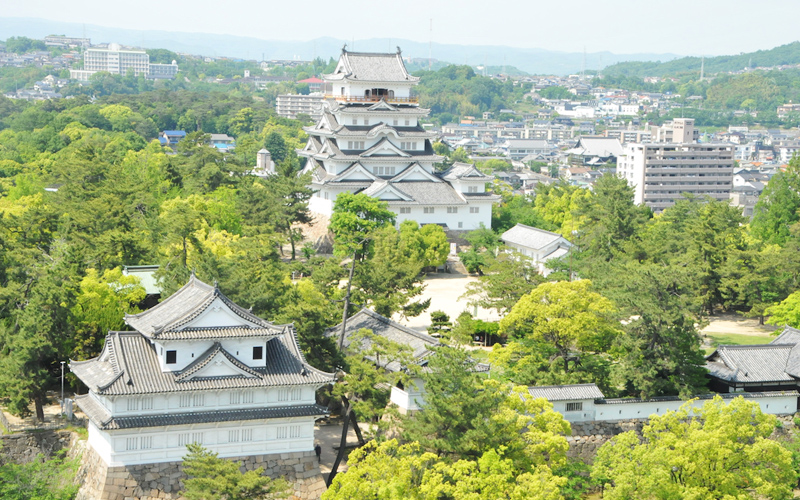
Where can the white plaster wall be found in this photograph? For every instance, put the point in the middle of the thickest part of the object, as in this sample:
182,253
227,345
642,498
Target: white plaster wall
776,405
164,444
100,442
469,220
412,398
214,400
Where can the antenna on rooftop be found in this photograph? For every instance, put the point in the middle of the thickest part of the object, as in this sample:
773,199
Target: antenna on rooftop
430,45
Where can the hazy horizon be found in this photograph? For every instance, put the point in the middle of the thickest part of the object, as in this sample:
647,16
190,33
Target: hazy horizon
713,27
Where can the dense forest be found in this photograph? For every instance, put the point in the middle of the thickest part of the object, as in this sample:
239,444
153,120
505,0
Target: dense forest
788,54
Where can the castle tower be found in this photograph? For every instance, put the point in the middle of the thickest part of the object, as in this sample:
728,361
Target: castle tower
197,368
370,140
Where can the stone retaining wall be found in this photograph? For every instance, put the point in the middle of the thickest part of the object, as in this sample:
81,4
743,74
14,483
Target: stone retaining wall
164,480
23,447
588,437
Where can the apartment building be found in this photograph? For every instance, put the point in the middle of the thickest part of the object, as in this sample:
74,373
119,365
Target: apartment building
662,173
291,105
118,60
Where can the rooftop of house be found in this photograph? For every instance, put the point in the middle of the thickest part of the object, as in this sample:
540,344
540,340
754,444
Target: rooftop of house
778,361
531,237
566,392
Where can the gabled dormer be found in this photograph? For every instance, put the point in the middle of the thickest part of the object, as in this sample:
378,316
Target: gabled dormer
415,172
384,147
216,362
355,173
385,191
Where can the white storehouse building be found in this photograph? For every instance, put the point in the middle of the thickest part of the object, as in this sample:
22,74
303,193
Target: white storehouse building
370,140
199,369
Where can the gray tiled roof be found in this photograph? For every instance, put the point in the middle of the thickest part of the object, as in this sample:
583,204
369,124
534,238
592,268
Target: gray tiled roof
566,392
168,318
204,359
723,395
750,363
419,343
373,67
530,237
791,336
430,193
129,365
97,413
460,170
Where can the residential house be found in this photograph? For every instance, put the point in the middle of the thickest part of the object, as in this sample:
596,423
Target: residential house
536,244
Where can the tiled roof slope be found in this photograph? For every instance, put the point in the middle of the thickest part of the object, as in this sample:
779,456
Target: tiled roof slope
778,361
98,414
751,363
372,67
419,343
129,365
566,392
530,237
174,312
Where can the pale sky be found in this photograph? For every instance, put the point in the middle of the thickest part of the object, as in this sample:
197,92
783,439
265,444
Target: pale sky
686,27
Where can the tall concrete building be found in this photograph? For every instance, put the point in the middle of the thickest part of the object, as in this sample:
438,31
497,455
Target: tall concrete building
663,172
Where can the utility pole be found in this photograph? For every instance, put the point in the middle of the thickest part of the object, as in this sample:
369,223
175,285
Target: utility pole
62,387
347,302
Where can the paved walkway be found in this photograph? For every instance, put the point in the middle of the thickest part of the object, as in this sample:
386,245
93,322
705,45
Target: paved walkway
445,291
328,436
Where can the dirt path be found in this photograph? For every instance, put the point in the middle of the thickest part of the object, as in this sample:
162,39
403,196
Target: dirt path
734,323
445,291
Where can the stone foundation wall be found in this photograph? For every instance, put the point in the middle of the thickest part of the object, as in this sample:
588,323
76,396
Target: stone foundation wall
588,437
23,447
164,480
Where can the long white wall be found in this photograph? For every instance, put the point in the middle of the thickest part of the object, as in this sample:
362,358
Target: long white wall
621,409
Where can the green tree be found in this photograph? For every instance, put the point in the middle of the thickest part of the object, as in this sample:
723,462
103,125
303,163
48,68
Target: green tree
785,313
660,352
505,279
566,315
718,451
373,365
100,306
777,207
214,478
464,417
428,244
355,217
39,479
389,279
392,471
610,220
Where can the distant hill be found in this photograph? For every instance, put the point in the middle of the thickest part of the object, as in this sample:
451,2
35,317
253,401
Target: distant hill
785,54
533,61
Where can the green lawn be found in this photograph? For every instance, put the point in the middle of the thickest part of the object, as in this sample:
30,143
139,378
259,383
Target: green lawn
736,339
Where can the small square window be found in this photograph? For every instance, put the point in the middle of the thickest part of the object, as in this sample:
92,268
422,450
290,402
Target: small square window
172,357
258,352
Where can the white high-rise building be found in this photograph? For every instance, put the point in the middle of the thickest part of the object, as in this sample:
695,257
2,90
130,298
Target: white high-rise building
662,172
118,60
370,140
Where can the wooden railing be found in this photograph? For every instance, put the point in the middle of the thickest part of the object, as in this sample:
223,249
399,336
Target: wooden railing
374,98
